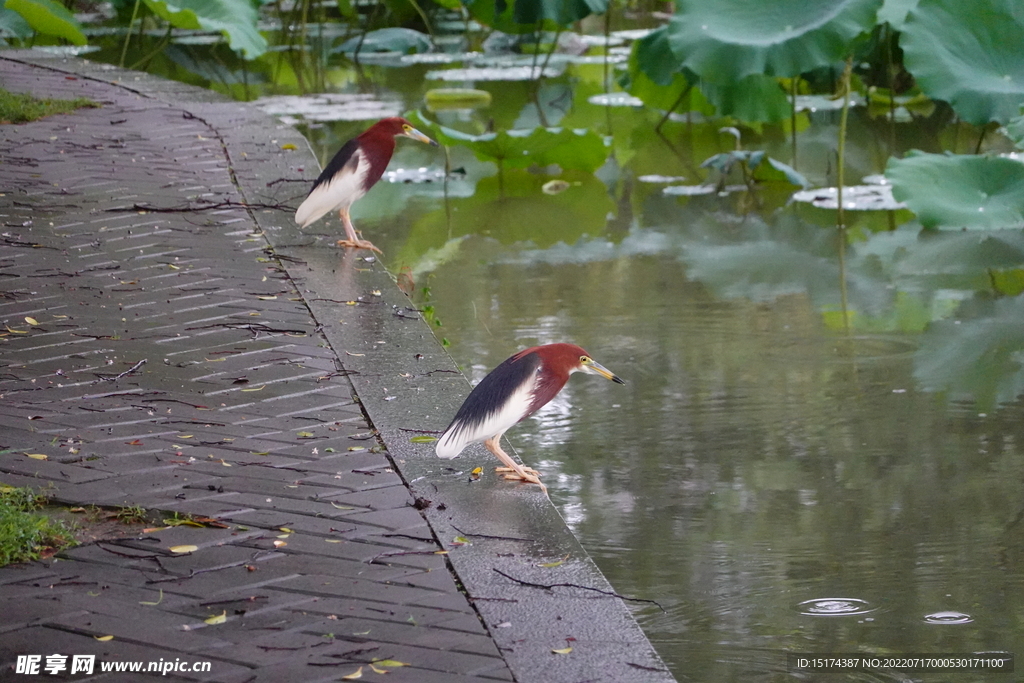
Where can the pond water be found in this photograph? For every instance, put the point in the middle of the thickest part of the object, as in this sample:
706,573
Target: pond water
779,475
775,482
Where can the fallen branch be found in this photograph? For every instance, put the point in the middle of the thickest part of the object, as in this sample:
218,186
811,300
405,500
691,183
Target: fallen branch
550,586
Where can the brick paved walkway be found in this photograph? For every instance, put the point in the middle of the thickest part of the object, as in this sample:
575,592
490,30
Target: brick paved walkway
168,359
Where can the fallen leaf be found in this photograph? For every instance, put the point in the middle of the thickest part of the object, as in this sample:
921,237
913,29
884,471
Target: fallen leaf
423,439
341,507
134,442
305,435
143,602
267,298
477,471
288,146
37,456
103,639
358,673
280,544
563,651
223,617
285,530
553,564
257,388
184,548
390,663
30,320
332,540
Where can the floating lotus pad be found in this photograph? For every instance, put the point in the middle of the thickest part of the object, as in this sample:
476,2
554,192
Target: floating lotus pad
457,98
494,73
329,107
615,99
855,198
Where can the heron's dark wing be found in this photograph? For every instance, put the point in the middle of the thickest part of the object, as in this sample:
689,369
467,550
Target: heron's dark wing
345,161
500,400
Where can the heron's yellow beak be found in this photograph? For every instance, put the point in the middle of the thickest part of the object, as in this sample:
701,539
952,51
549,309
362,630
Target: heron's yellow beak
592,367
416,135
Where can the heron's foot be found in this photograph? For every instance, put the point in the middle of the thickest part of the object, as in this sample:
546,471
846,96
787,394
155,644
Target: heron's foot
358,244
528,474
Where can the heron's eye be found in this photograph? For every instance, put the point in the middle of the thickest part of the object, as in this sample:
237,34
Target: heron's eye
407,128
584,359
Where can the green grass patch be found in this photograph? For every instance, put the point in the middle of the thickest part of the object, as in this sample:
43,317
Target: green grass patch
25,534
21,108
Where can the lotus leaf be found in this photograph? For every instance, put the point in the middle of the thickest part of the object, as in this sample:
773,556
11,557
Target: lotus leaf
526,16
960,191
13,24
755,98
46,17
894,12
728,40
235,19
968,54
1015,129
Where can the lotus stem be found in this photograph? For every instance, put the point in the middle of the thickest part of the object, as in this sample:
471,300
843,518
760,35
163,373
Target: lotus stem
128,32
840,180
792,115
840,171
679,100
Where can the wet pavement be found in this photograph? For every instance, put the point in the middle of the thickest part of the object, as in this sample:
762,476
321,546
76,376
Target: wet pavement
172,341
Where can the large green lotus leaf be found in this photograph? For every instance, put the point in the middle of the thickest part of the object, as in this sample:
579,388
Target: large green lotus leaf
50,18
649,76
753,99
12,24
976,355
580,150
526,16
968,54
960,191
727,40
894,12
236,19
1015,129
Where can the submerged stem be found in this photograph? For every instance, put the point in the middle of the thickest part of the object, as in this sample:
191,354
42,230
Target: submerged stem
840,180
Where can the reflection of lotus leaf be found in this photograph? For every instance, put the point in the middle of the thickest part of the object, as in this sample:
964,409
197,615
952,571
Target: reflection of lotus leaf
960,191
579,150
515,209
855,198
981,356
968,54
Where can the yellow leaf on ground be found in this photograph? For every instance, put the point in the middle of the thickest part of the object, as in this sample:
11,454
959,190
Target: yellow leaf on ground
221,618
358,673
30,320
37,456
143,602
563,651
184,549
390,663
280,544
103,639
257,388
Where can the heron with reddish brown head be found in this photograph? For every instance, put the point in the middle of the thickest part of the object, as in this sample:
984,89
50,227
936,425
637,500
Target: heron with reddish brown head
513,391
357,167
